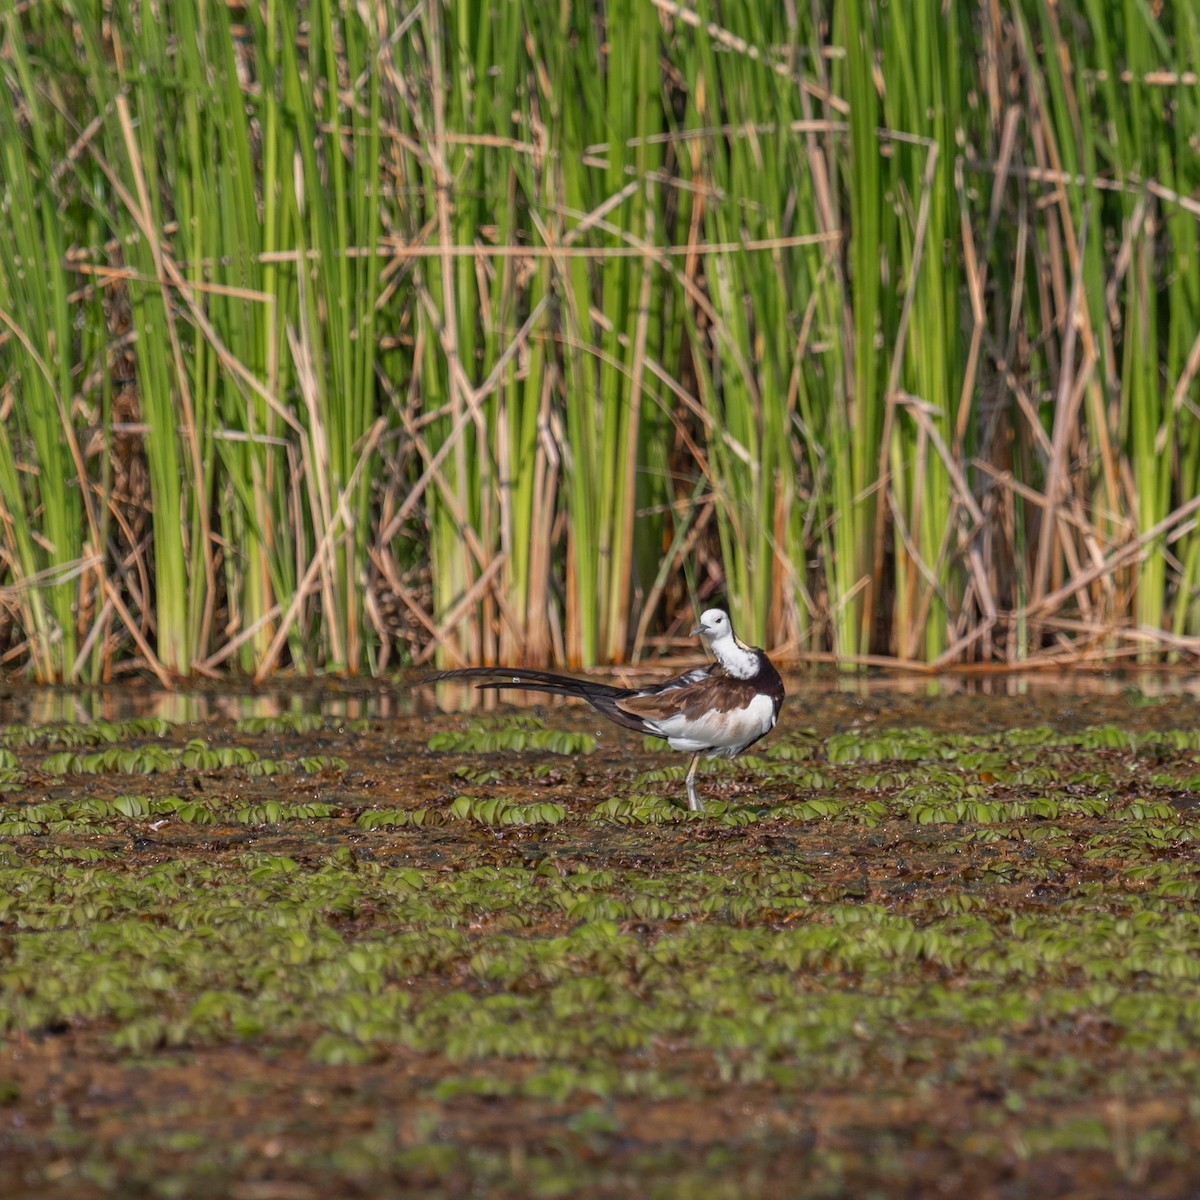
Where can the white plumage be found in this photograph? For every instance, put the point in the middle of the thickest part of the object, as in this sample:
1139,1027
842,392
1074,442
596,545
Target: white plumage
721,734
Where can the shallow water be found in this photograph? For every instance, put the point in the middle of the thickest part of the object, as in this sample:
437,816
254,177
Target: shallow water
406,695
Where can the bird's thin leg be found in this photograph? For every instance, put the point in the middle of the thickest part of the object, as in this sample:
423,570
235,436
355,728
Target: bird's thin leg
694,801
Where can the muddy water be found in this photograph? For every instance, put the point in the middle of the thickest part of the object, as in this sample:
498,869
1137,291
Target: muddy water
405,695
940,936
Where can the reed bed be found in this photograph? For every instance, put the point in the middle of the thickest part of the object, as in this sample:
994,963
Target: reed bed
345,336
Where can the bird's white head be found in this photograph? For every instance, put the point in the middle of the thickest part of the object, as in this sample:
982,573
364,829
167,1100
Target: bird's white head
714,624
731,652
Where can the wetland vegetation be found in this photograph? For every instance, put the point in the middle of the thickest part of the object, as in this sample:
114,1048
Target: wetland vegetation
336,337
912,943
340,335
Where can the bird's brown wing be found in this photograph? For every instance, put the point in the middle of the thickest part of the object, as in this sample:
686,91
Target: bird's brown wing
716,691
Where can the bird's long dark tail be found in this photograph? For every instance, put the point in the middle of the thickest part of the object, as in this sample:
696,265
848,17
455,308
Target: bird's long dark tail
519,678
601,696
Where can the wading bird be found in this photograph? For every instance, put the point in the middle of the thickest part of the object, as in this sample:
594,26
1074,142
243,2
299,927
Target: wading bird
714,711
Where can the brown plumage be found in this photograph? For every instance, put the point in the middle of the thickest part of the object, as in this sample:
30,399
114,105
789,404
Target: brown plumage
716,711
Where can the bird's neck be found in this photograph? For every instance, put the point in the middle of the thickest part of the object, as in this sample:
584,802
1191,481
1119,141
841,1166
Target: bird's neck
737,658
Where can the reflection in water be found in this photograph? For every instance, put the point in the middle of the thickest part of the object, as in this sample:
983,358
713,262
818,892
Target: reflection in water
384,699
1149,683
44,706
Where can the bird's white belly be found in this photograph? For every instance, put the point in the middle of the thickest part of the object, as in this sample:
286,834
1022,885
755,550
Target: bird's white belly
722,734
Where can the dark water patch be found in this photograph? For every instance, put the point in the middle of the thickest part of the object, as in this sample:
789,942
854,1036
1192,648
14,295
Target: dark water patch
1071,694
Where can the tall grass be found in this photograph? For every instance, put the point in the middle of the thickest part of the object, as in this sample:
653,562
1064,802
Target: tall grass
337,336
47,558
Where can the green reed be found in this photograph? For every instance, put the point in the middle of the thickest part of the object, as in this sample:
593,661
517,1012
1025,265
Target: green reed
752,185
601,85
49,556
922,46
